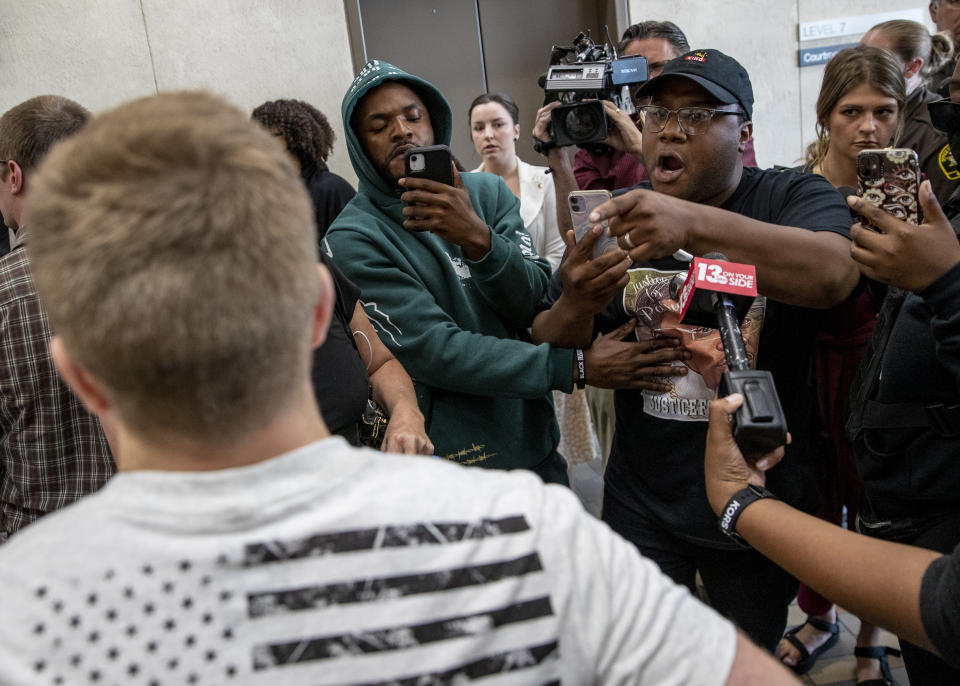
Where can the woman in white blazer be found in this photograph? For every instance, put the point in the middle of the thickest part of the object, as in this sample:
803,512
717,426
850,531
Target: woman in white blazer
494,127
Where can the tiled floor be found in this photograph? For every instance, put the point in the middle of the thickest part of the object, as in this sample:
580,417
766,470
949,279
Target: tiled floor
837,666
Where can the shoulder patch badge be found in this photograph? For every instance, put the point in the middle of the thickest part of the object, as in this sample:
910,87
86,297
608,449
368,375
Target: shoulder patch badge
948,165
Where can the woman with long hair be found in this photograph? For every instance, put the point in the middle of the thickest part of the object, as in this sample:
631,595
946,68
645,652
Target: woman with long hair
495,129
860,107
920,54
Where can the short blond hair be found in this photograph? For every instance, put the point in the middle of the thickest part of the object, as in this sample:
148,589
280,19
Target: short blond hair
173,246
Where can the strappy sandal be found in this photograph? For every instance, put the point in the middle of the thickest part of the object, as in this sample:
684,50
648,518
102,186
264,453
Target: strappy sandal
807,658
878,653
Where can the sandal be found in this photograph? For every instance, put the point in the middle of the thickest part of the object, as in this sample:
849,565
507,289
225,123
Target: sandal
878,653
807,658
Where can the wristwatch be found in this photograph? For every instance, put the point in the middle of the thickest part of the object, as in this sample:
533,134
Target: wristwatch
735,507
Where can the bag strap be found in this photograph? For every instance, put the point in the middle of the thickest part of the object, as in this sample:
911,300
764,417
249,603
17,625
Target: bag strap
867,379
943,419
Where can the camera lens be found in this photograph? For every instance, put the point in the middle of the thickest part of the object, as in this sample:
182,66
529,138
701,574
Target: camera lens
582,123
869,167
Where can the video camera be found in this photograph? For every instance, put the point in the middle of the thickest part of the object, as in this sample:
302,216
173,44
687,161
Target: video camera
580,76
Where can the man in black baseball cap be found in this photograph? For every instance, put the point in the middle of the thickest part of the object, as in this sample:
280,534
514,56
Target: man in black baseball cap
795,228
721,76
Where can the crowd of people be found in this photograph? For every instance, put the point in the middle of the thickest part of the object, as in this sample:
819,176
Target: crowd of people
257,425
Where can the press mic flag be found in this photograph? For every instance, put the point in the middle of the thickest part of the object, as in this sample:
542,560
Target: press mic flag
710,276
717,293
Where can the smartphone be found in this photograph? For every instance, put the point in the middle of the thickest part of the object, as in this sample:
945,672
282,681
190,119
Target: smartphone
890,179
433,162
581,204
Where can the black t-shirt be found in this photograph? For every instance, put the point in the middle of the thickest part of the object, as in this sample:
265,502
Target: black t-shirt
656,461
339,375
940,606
330,194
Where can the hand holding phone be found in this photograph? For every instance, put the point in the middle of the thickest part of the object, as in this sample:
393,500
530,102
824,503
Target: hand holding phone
900,254
890,179
434,162
437,201
581,204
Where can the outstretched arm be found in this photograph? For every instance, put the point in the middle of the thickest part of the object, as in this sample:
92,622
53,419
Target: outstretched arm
794,265
876,580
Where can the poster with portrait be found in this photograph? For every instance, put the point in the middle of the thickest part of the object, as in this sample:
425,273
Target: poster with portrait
647,299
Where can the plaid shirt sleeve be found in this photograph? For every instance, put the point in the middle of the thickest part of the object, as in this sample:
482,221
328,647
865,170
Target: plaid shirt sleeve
52,451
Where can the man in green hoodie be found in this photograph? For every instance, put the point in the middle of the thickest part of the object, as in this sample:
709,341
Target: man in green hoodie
452,284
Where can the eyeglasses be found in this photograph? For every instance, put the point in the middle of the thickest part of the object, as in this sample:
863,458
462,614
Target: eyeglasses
693,120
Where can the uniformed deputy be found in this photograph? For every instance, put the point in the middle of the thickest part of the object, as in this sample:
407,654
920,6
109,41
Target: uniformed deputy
920,54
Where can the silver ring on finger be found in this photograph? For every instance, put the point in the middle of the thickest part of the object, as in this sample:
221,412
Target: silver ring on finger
626,239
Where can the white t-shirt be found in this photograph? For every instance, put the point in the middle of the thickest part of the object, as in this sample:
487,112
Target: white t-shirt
332,565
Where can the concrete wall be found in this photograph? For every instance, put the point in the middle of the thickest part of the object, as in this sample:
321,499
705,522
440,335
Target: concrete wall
763,36
103,52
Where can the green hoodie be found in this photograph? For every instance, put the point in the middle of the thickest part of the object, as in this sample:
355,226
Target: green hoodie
454,323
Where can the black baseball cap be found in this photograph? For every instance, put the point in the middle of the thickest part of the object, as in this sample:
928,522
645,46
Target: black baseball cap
721,75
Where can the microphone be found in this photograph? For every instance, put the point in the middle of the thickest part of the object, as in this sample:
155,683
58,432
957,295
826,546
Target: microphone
718,294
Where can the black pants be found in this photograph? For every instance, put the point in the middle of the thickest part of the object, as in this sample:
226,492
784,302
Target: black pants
742,585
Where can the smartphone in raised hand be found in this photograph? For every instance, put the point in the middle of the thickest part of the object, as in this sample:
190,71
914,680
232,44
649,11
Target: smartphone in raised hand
890,179
581,204
434,162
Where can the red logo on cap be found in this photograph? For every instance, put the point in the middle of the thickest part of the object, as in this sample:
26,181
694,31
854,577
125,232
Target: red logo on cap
697,57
